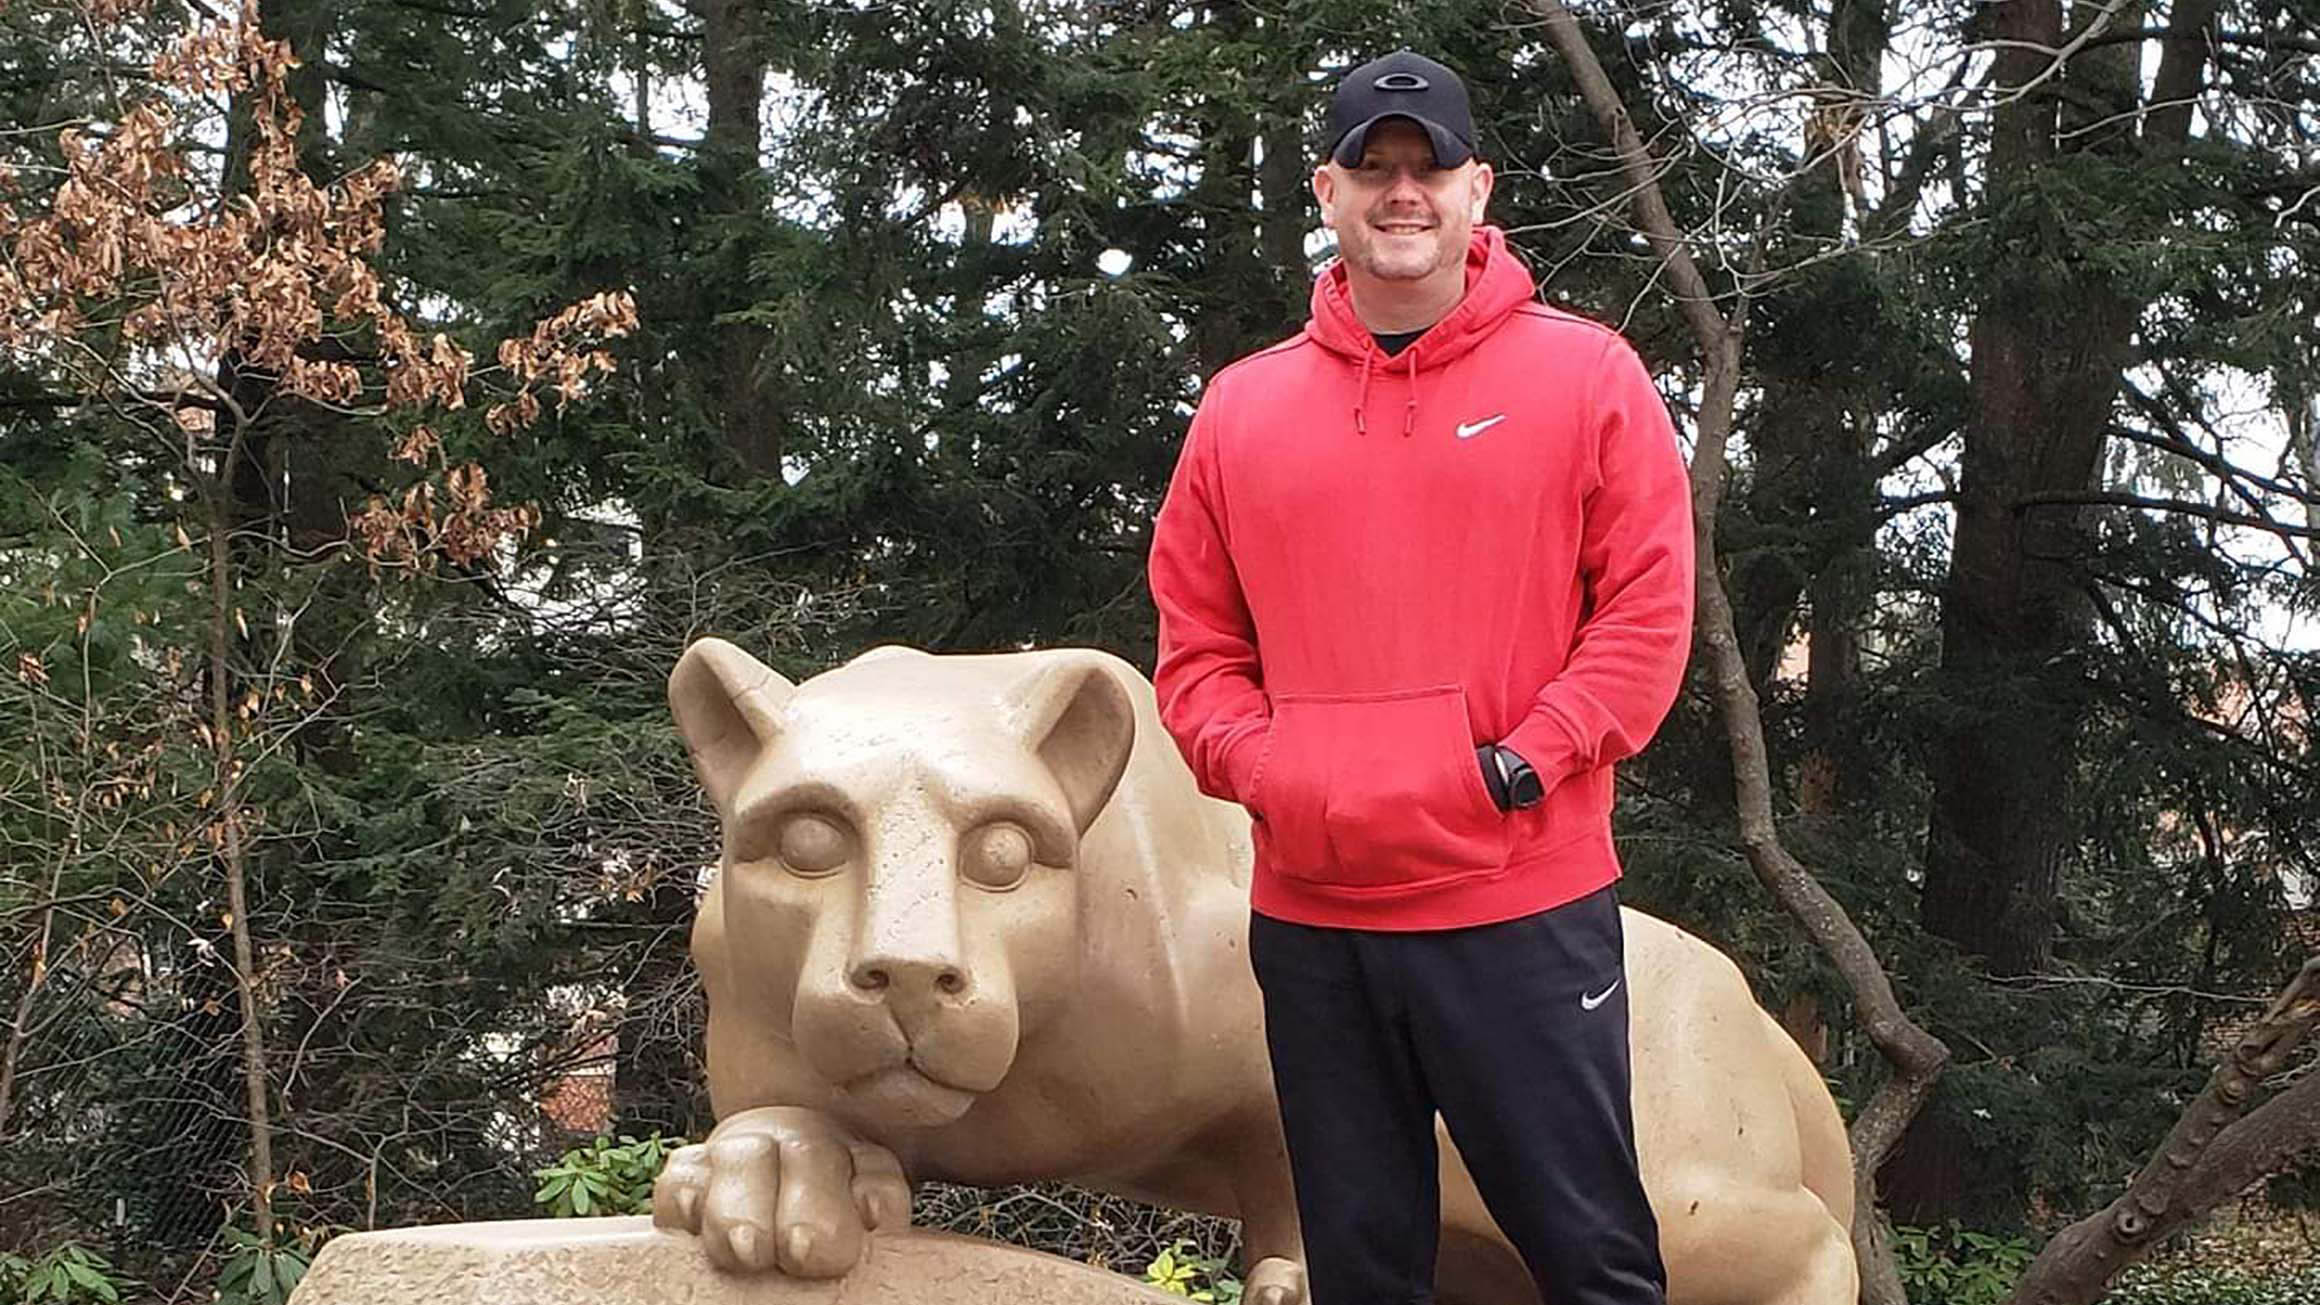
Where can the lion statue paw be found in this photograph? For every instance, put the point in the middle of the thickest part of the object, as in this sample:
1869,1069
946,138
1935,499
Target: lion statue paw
782,1188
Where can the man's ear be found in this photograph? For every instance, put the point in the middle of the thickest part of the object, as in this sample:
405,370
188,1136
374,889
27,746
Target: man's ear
1482,183
1074,714
1325,192
728,707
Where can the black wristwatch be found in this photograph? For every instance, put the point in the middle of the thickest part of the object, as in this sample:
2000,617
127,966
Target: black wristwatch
1513,785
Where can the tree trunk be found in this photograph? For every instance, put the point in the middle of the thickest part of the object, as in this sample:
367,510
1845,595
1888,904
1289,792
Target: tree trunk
229,835
733,55
1828,778
260,469
1841,428
641,91
1282,185
1225,328
246,502
2047,354
1227,324
1917,1057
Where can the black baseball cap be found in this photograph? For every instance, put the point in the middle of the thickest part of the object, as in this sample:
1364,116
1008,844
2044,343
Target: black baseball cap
1401,85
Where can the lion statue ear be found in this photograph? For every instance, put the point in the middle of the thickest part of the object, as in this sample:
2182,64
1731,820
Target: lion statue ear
728,707
1076,716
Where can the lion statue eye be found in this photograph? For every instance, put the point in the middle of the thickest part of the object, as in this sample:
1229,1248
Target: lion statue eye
811,845
997,855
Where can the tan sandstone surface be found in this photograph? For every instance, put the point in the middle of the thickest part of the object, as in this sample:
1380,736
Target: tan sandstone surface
624,1261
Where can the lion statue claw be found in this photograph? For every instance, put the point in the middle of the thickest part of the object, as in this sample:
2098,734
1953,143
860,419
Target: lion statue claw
1275,1280
974,922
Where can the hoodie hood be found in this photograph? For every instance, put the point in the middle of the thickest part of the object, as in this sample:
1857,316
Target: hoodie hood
1496,284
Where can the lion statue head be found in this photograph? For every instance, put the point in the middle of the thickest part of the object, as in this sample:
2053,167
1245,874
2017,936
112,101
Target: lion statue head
912,884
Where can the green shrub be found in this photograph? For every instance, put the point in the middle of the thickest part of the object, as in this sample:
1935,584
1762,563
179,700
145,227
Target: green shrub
263,1271
1952,1265
604,1177
1182,1270
69,1274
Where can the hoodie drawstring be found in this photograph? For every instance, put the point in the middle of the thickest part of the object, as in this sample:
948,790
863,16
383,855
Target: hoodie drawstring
1409,410
1410,413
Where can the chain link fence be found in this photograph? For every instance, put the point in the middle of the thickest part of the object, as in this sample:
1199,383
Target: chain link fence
129,1135
128,1129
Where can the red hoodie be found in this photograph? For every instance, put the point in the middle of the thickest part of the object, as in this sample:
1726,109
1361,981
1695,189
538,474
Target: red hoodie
1367,567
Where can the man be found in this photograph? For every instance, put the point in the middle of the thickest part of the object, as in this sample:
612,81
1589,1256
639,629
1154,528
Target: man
1424,573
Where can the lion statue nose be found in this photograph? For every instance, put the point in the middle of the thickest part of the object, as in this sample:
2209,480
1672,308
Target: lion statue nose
900,978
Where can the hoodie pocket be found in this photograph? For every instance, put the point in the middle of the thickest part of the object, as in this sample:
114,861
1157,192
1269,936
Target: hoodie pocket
1376,791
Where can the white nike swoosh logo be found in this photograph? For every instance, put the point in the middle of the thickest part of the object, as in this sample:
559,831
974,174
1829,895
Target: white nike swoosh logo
1589,1003
1469,430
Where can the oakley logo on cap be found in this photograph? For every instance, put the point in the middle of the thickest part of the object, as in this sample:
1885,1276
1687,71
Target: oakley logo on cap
1401,81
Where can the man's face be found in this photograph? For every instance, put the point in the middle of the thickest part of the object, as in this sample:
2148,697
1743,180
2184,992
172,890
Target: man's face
1397,216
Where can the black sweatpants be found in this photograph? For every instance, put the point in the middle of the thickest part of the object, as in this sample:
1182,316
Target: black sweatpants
1517,1034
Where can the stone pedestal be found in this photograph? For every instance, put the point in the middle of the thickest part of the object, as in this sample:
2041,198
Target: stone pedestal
628,1262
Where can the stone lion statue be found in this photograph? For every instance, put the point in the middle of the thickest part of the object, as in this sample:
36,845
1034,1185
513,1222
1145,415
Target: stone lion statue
974,922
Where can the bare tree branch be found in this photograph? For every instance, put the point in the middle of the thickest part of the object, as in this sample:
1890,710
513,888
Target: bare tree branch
2214,1152
2253,40
2179,442
1917,1056
2112,498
